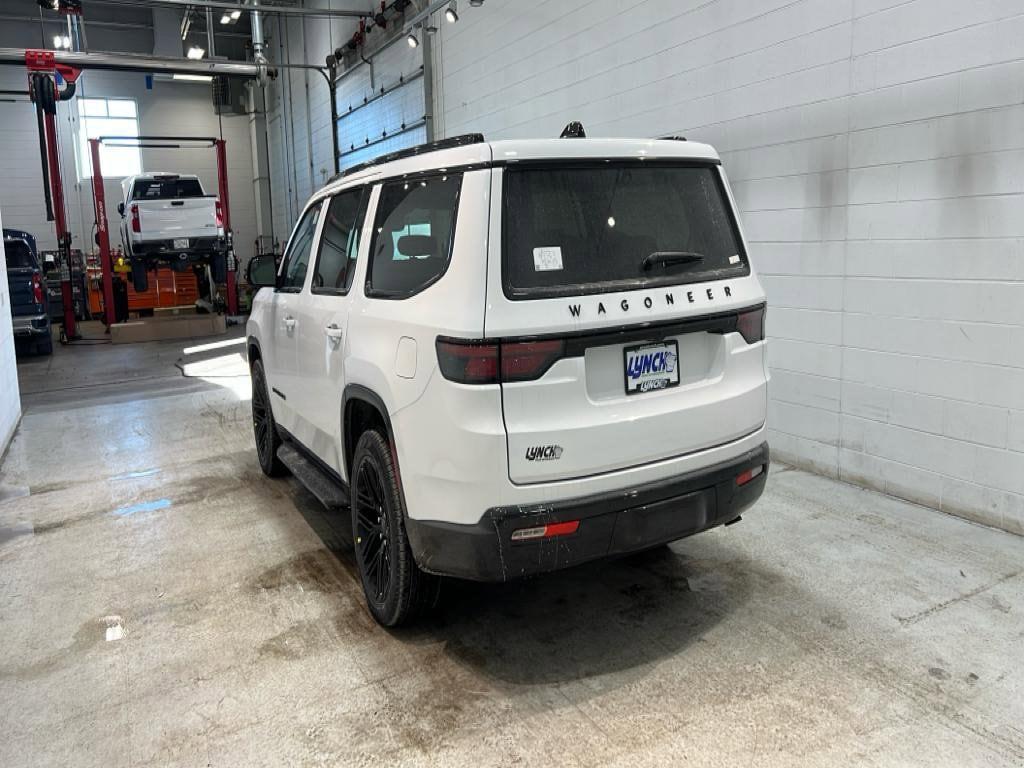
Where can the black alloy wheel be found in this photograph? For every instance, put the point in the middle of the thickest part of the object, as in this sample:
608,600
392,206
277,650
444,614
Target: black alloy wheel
397,591
263,426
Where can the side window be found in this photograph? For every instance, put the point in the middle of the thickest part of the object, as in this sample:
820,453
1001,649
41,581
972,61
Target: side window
296,256
339,243
412,235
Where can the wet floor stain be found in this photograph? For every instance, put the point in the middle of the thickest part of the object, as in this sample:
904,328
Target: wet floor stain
88,635
136,475
144,506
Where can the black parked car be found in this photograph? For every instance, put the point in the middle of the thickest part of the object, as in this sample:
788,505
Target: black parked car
28,294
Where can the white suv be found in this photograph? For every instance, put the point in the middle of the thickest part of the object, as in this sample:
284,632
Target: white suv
511,357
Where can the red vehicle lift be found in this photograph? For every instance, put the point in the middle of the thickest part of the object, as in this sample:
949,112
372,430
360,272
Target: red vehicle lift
45,77
103,227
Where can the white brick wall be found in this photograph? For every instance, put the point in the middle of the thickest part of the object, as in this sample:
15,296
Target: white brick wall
876,149
10,398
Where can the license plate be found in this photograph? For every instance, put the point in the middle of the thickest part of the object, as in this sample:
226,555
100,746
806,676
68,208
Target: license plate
650,367
181,243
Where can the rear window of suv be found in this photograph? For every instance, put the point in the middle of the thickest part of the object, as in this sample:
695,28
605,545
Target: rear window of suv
19,254
576,229
166,189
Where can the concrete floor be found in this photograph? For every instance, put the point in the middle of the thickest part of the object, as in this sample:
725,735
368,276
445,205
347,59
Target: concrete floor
162,603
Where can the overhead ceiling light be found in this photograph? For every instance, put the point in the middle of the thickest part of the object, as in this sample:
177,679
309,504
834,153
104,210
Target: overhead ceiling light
412,40
61,41
225,19
451,13
235,15
195,52
196,78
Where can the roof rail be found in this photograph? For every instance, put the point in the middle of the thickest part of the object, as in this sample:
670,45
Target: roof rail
420,149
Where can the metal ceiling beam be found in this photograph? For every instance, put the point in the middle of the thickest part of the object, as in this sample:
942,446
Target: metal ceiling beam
135,63
223,5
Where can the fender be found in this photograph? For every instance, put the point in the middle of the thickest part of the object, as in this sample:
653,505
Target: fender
359,392
252,341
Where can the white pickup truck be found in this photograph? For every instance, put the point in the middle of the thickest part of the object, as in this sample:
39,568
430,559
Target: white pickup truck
167,218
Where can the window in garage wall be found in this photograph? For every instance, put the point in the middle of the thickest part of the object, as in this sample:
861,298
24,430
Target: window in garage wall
108,117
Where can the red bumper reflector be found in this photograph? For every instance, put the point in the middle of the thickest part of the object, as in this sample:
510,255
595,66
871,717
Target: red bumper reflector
745,477
546,531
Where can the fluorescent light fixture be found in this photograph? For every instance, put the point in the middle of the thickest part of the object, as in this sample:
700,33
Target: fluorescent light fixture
225,19
235,15
451,13
196,78
195,52
412,40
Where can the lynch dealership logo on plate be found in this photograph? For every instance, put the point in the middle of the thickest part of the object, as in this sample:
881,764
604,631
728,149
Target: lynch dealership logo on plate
701,296
650,367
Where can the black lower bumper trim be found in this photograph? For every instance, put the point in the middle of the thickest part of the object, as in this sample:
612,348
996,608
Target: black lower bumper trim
614,523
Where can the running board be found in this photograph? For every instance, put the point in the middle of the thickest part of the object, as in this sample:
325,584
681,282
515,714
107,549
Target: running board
329,491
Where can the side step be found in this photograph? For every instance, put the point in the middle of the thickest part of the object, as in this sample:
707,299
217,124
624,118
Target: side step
329,491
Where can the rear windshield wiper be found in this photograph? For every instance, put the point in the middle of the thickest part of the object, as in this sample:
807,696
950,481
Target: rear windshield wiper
670,258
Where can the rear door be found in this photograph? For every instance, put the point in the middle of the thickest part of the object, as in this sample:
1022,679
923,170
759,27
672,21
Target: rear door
631,319
323,326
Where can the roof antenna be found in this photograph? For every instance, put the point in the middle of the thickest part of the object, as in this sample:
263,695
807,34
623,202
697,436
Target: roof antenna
573,130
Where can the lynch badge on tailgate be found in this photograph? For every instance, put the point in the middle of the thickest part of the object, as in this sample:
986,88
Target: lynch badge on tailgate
544,453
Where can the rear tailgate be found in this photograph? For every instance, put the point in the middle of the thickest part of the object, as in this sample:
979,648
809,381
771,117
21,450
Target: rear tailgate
22,293
670,364
188,217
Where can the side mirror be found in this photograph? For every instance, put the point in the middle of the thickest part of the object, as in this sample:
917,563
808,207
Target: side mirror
120,209
261,272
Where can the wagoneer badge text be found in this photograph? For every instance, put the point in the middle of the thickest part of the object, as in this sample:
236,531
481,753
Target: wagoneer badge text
690,297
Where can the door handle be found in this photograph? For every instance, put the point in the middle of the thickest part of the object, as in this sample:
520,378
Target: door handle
333,332
289,324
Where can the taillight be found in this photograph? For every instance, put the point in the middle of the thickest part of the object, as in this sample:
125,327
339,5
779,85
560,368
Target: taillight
745,477
136,224
482,362
37,289
220,214
468,362
528,360
546,531
750,324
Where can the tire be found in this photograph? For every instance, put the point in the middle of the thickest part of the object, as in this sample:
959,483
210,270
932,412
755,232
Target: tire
219,268
263,426
45,347
397,591
140,278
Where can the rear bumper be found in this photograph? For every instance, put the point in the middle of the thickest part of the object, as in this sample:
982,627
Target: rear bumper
613,523
31,326
198,247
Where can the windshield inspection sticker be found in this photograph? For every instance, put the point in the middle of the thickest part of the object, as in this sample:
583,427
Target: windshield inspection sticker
547,259
734,259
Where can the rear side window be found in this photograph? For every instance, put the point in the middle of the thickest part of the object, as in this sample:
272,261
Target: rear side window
296,256
412,235
594,229
166,189
18,254
339,243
